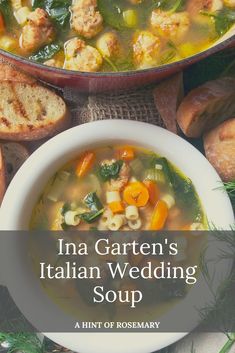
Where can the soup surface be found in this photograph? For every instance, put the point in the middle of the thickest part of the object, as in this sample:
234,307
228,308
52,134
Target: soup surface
124,188
119,188
111,35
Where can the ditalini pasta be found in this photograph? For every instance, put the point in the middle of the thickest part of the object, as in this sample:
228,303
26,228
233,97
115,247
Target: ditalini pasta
122,195
119,187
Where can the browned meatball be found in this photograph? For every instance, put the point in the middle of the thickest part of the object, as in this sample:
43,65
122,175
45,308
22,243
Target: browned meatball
146,49
195,6
170,26
81,57
86,19
37,32
109,45
122,180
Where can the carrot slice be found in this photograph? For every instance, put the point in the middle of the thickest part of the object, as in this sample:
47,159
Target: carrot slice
85,164
159,215
136,194
126,153
154,191
116,207
2,24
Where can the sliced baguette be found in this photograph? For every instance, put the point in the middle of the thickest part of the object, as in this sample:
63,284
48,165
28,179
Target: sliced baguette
219,145
2,177
30,111
14,154
9,73
167,96
207,106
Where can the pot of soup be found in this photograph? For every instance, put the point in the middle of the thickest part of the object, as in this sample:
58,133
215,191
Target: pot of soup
100,45
117,176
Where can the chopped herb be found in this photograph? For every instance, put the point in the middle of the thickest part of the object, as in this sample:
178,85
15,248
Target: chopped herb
46,53
173,6
65,208
94,204
90,217
223,19
110,171
112,13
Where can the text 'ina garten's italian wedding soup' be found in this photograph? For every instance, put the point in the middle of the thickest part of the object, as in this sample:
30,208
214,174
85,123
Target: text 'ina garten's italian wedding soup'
131,190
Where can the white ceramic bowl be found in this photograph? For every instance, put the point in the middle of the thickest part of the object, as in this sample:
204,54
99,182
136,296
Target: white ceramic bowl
28,183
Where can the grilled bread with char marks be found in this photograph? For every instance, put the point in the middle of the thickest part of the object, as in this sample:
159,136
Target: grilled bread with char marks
29,111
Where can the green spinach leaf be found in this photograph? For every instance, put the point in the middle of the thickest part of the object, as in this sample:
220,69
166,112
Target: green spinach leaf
112,13
58,10
46,53
90,217
110,171
223,19
94,204
6,10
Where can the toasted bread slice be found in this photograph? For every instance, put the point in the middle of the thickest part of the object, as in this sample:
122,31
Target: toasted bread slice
30,111
14,154
2,177
9,73
207,106
167,96
219,146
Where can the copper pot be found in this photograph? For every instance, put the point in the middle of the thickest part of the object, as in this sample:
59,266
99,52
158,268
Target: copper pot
101,81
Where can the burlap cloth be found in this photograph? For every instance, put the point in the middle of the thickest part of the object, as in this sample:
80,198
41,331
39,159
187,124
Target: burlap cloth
133,105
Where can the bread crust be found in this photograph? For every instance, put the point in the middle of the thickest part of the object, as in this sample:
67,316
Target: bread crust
219,145
27,131
167,96
207,106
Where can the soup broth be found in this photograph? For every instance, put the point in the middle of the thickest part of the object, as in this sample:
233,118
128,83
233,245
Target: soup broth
120,188
111,35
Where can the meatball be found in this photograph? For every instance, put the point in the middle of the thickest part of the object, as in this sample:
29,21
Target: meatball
173,26
195,6
109,45
37,32
86,20
53,63
146,49
122,180
81,57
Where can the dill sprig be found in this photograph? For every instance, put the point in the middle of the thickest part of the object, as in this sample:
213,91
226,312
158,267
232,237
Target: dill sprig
229,187
22,342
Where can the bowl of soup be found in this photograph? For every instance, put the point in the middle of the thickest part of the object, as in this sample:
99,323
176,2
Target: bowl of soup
108,175
108,44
